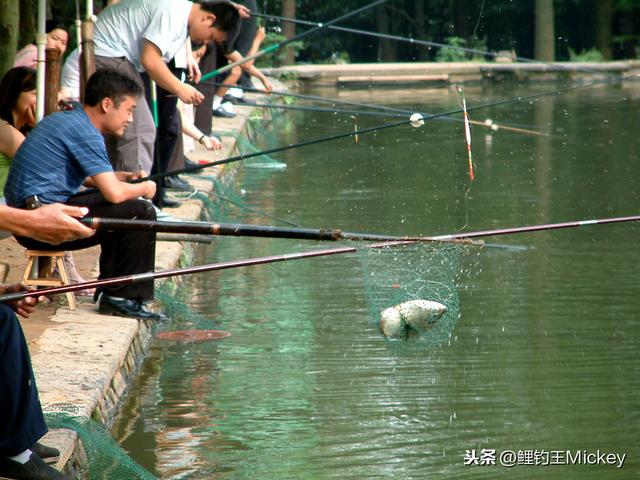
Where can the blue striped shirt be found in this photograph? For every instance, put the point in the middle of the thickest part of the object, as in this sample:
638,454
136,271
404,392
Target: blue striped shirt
55,158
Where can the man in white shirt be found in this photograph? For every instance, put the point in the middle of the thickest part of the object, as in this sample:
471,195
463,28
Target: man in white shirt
143,35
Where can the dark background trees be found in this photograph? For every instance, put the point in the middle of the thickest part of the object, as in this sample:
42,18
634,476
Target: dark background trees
610,26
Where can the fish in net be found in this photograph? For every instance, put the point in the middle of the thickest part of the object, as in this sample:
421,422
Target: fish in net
418,273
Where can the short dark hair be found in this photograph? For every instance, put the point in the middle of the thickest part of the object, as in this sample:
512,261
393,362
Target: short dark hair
110,83
14,82
227,16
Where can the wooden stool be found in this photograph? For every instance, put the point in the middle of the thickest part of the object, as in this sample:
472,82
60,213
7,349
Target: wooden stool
48,280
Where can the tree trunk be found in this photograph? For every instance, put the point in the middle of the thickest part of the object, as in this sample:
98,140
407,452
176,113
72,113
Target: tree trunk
9,19
421,29
289,28
386,50
28,15
545,31
604,21
461,19
627,31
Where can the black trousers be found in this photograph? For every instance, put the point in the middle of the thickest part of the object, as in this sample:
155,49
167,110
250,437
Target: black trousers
21,420
122,252
202,112
169,123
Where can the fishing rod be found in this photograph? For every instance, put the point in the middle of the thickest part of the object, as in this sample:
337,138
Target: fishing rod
277,46
200,231
239,230
300,255
390,113
143,277
427,43
267,231
394,110
535,228
246,156
321,109
416,120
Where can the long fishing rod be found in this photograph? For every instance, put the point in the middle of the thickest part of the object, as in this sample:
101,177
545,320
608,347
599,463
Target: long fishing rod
427,43
142,277
300,255
277,46
305,108
240,230
535,228
246,156
415,120
244,230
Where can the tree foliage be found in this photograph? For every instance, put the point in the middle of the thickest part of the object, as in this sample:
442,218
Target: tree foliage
504,24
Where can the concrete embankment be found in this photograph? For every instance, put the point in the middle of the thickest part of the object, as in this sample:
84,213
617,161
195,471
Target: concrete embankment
83,361
430,73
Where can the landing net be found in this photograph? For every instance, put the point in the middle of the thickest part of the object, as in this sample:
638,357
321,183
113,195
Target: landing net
106,460
415,271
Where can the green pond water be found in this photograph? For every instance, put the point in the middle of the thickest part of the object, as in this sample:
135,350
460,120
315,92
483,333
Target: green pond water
545,354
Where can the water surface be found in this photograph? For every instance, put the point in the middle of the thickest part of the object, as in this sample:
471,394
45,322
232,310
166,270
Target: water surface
543,357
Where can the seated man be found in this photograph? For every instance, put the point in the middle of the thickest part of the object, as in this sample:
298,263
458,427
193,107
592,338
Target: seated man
21,419
67,149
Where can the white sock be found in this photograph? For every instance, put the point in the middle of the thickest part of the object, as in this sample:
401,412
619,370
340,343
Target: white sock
217,100
22,457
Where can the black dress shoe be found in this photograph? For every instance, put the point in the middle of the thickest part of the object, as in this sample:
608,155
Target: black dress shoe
222,113
126,307
234,100
34,469
190,163
174,182
48,454
166,202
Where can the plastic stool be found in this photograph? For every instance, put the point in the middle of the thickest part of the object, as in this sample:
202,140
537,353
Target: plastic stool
48,280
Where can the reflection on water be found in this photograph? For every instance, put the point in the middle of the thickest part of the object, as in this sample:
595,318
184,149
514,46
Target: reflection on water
544,355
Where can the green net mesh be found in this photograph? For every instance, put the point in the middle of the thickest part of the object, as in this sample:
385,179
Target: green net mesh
245,146
105,458
415,271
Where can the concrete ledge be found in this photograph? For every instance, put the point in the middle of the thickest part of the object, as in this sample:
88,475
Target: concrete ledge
452,72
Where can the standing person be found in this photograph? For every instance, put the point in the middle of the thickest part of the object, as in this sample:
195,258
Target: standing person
22,422
67,149
143,35
222,103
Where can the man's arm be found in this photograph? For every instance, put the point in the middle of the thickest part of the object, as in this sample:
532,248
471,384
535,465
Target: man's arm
116,191
51,223
151,59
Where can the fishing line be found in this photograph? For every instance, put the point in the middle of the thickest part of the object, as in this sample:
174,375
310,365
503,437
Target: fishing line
363,131
475,29
488,123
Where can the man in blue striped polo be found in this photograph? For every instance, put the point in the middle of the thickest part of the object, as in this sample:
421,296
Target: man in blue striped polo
65,151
